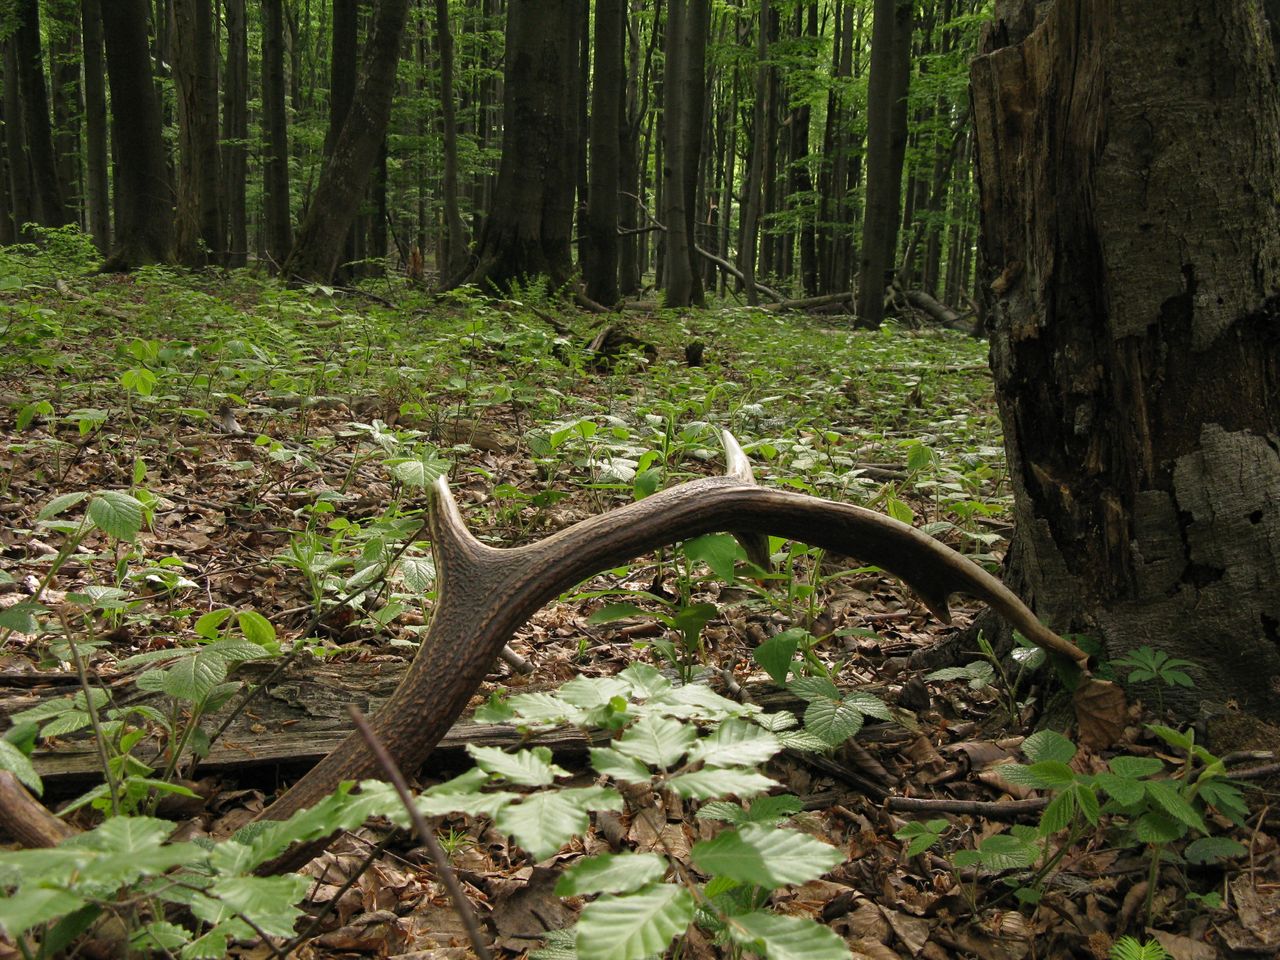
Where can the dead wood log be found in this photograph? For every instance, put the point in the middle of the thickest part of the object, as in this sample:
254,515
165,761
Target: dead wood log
940,313
813,303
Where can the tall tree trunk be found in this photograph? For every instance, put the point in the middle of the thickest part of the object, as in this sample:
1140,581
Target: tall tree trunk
749,236
63,33
454,260
600,260
144,219
636,100
34,95
345,177
681,130
97,167
530,224
199,222
803,178
1133,326
277,219
886,143
21,188
235,133
344,63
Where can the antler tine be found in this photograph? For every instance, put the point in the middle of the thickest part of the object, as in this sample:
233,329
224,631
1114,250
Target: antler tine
486,594
737,466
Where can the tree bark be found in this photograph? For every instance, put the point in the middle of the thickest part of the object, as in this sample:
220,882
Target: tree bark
21,189
33,93
1134,326
682,142
454,260
277,219
345,177
144,221
199,221
235,134
600,260
749,236
886,143
63,34
97,167
529,227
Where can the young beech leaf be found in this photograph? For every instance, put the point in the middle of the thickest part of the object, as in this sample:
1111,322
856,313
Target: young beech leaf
765,856
611,873
634,926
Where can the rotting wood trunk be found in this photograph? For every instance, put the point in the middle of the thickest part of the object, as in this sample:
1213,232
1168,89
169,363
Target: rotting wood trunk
1135,326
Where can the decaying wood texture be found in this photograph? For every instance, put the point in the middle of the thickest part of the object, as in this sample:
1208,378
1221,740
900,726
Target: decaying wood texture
1128,169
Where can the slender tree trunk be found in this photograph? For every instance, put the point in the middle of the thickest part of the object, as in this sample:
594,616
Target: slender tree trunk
530,224
277,219
97,167
629,270
682,124
50,208
454,260
345,176
600,260
21,188
749,235
344,63
144,217
886,143
63,33
199,222
1133,326
235,133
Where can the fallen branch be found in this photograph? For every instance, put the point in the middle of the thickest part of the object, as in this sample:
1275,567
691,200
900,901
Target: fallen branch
989,809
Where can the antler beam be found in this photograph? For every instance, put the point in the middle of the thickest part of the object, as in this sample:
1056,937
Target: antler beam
486,594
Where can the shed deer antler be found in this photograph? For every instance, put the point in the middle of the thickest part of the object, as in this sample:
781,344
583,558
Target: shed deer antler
486,594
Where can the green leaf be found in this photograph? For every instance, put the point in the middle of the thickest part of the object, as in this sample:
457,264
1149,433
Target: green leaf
786,938
1213,849
544,822
832,721
61,504
421,471
1048,745
611,873
193,678
256,628
19,764
719,551
1167,796
1058,814
611,763
528,768
773,809
1135,768
611,612
1128,948
1157,827
735,743
1004,851
269,902
868,704
776,653
116,514
765,856
634,926
720,782
1175,738
657,741
691,619
31,906
814,688
21,617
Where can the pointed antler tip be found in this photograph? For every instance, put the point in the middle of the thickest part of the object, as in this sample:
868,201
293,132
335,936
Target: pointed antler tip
736,464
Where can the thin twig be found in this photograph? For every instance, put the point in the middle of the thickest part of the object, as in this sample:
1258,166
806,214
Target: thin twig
425,833
990,809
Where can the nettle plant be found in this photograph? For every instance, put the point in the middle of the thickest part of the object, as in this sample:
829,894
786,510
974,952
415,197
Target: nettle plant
193,899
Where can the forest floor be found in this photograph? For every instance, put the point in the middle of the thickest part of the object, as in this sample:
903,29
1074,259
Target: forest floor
277,440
